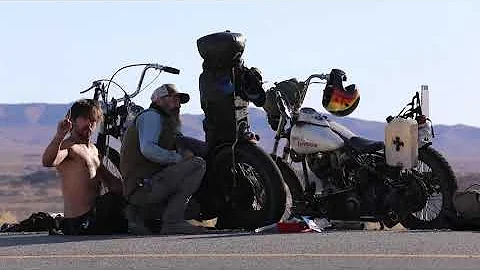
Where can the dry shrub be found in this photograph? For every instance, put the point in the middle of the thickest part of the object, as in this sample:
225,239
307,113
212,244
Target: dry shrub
7,217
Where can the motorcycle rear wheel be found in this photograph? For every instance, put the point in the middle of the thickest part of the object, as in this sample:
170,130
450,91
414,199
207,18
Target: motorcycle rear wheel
441,185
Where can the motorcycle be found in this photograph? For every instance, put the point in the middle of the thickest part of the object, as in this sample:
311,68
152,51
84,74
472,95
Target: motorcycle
362,180
243,188
118,113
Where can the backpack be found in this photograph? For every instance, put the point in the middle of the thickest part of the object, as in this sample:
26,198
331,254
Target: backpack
467,203
467,206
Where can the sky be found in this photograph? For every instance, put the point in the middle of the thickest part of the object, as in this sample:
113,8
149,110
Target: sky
50,51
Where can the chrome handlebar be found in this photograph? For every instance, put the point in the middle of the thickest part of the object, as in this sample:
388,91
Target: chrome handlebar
104,90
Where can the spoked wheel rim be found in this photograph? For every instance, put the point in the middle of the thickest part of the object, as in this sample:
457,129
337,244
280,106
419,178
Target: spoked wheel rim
112,166
250,194
434,204
255,196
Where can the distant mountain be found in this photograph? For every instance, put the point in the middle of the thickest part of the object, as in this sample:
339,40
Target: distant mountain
25,129
20,115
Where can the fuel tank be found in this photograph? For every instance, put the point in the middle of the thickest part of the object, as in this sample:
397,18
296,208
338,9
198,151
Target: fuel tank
341,129
312,133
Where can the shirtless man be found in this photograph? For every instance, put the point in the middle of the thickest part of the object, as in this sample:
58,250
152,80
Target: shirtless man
78,162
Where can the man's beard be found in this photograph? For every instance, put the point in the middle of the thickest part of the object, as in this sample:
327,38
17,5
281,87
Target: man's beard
175,114
176,117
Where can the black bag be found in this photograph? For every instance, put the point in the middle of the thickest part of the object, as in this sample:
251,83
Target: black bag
109,214
221,50
467,208
271,108
226,87
216,98
289,90
36,222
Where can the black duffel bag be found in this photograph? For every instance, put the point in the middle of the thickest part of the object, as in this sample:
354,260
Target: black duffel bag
226,87
289,90
221,50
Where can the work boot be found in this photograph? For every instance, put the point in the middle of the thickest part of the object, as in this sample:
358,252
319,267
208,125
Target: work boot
136,220
181,227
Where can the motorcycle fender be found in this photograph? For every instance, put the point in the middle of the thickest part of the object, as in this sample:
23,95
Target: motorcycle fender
290,179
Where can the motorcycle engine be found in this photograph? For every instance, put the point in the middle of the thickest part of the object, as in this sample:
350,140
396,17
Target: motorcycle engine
334,169
359,185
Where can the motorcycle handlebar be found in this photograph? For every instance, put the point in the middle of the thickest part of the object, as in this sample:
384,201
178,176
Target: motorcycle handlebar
303,92
164,68
94,84
88,89
322,76
156,66
171,70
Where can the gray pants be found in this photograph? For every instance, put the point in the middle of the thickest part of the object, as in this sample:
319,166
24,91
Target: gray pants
170,190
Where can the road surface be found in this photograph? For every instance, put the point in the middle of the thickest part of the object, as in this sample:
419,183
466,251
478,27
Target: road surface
328,250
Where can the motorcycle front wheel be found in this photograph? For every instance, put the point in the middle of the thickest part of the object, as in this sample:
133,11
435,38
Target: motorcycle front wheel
253,192
111,161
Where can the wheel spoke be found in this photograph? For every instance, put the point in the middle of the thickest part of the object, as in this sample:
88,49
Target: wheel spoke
434,203
259,194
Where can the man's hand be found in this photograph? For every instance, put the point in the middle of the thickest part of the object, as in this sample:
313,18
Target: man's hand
64,126
53,154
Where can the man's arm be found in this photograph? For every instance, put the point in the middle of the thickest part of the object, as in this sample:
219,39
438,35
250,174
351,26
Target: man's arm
113,183
149,126
54,154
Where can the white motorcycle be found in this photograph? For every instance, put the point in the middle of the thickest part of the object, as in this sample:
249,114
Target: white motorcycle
401,180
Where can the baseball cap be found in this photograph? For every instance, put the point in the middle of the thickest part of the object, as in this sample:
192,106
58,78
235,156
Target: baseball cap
169,89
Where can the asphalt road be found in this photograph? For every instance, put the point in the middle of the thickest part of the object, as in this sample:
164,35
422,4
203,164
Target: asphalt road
328,250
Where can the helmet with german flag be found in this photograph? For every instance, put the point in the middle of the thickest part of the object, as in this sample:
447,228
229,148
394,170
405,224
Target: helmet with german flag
338,100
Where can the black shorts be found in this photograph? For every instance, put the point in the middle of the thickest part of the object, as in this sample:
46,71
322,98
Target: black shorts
107,217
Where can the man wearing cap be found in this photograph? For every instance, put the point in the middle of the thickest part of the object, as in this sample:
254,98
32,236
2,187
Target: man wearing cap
159,176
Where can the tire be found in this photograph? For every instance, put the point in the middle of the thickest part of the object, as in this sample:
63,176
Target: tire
114,157
112,164
253,203
293,187
442,185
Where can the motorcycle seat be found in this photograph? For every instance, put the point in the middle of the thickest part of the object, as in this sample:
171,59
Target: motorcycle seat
363,145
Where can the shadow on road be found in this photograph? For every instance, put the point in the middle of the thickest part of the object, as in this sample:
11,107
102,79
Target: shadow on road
23,240
216,234
9,240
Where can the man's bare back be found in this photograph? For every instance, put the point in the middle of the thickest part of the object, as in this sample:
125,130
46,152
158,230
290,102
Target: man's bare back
80,182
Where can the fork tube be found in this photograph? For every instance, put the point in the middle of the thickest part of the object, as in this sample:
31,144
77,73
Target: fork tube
278,134
286,150
305,172
234,145
141,80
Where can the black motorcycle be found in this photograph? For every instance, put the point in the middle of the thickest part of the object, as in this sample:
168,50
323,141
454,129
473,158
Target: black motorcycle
243,187
118,112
